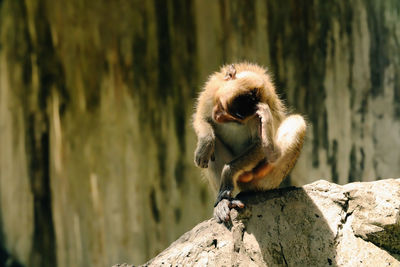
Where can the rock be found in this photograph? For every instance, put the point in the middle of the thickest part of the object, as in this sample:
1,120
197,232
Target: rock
320,224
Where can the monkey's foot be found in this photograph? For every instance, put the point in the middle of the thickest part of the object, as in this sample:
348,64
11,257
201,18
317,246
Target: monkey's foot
223,208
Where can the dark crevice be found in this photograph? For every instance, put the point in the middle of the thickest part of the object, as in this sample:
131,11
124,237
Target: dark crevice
378,45
43,250
8,260
214,243
356,164
226,29
154,207
180,170
353,175
164,50
344,204
178,215
281,252
283,255
332,160
396,97
164,85
161,158
246,24
37,119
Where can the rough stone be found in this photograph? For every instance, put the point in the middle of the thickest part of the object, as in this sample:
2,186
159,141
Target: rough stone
320,224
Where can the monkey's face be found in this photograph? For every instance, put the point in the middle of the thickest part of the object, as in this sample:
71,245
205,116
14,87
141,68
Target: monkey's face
237,98
239,108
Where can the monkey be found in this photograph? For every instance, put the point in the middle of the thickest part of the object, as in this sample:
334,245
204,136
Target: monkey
246,140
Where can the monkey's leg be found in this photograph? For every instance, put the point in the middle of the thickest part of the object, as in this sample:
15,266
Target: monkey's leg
230,172
215,167
289,139
222,155
244,163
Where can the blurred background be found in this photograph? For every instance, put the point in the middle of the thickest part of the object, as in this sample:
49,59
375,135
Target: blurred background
96,99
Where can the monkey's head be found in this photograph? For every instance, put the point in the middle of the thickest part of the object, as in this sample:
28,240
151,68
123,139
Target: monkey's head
238,95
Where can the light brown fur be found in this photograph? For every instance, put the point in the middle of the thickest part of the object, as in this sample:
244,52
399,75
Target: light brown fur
254,153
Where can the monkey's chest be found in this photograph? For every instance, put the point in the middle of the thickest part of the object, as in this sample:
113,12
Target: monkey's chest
236,137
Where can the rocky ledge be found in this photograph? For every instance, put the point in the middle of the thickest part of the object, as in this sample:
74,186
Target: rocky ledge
320,224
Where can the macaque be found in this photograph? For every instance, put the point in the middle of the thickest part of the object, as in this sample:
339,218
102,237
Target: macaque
246,140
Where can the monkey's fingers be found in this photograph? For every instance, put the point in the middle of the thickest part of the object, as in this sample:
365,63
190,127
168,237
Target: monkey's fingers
236,203
201,161
263,112
204,152
221,211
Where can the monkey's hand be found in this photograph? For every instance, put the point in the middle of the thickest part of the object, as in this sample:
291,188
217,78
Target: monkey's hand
204,151
267,132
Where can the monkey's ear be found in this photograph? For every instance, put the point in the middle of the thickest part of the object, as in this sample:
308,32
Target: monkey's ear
230,73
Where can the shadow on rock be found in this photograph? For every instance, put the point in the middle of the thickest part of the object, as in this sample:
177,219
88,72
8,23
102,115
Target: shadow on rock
320,224
287,228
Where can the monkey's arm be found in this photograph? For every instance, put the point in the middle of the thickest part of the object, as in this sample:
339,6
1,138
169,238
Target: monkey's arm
263,151
205,145
240,165
204,131
268,129
230,172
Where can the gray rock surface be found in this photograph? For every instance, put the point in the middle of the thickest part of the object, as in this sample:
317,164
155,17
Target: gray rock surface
320,224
